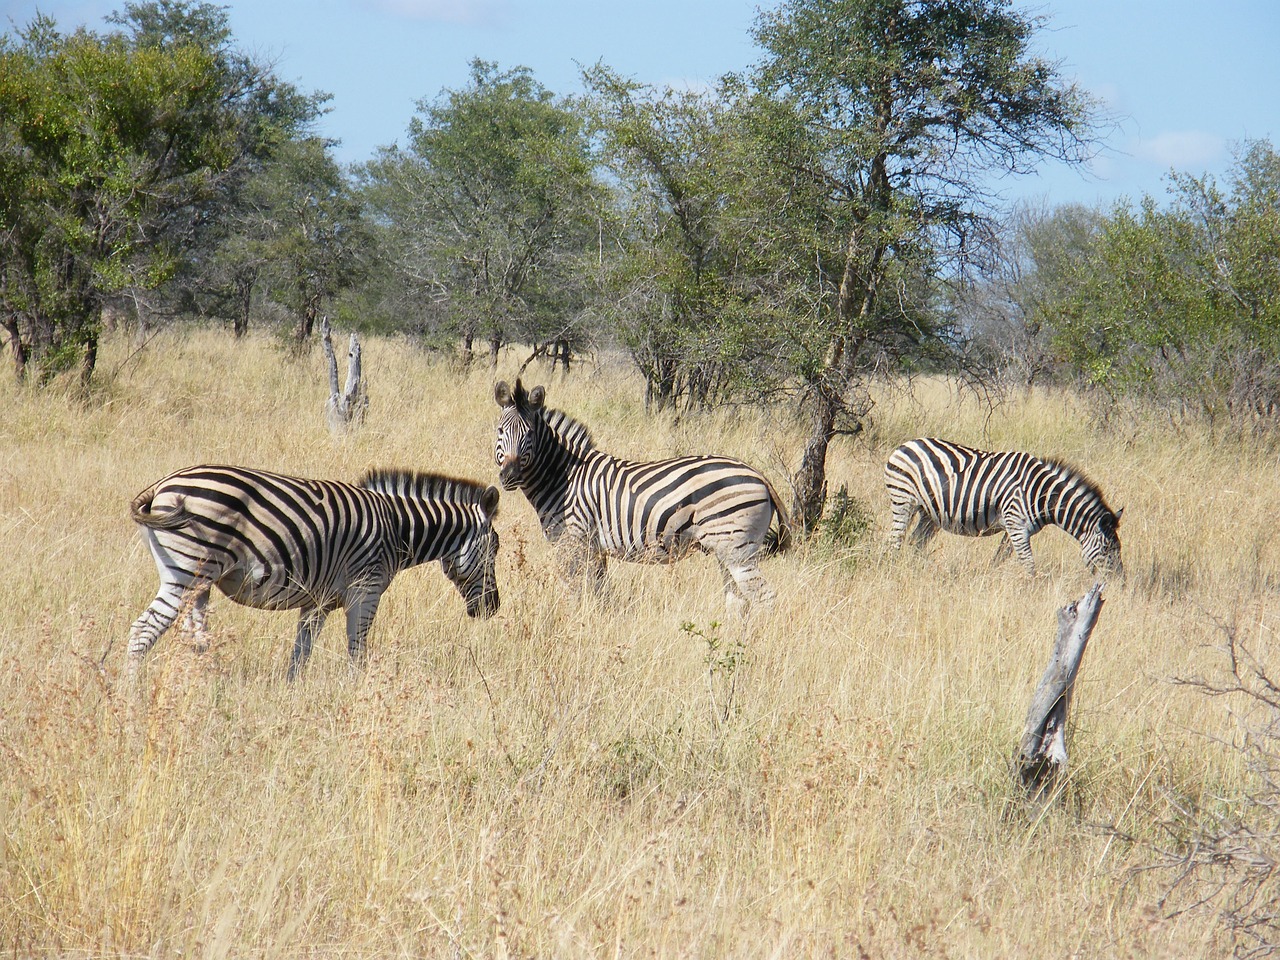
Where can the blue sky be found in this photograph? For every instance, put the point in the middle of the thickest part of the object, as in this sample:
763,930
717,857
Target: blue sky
1184,84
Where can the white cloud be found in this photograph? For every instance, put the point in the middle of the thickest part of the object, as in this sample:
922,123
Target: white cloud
1188,150
465,12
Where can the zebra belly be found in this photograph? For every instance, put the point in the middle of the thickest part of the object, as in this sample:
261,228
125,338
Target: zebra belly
676,542
254,585
971,528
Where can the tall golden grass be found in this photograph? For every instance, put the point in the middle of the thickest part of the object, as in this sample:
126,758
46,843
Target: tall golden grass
615,776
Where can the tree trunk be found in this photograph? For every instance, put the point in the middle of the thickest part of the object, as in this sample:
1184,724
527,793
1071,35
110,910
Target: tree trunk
89,360
13,335
811,479
468,346
240,324
351,405
495,348
1042,754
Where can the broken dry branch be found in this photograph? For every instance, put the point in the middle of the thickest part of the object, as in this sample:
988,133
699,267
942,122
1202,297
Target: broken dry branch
1042,755
348,407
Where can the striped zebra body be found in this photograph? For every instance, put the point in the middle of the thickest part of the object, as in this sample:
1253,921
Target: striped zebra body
600,506
276,542
975,493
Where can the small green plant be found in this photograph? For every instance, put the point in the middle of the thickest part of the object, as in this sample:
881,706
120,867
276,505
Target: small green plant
724,660
846,522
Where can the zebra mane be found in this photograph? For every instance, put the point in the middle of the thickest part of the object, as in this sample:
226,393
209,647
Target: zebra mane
1071,472
573,434
409,484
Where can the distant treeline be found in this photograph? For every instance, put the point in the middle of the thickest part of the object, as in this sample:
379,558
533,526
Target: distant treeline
818,219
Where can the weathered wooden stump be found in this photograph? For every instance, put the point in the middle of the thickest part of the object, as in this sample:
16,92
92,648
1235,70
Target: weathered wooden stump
1042,755
349,407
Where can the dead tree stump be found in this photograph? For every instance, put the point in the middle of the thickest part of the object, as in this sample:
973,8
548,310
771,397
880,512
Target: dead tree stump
1042,755
349,407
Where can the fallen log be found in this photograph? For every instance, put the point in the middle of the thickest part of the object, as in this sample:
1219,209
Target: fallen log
1042,754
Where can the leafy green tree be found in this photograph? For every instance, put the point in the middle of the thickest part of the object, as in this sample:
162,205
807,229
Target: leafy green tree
1180,302
897,112
306,232
115,151
225,260
673,279
491,209
101,142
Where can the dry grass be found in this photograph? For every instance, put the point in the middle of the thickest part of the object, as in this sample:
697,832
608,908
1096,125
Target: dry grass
586,777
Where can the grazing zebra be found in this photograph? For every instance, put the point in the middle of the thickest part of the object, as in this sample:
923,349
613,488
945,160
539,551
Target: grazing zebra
975,493
646,512
287,543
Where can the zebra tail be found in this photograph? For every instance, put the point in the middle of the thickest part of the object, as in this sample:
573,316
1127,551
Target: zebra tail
778,538
140,512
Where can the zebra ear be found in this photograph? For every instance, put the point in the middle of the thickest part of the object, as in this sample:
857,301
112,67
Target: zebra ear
502,393
1119,514
537,397
489,502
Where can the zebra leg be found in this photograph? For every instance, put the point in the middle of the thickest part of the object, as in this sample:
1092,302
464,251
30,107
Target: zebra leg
360,614
1003,549
196,621
903,511
1021,543
924,531
584,564
309,624
158,617
744,585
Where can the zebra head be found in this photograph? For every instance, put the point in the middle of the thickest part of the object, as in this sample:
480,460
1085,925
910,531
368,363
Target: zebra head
516,446
472,567
1101,544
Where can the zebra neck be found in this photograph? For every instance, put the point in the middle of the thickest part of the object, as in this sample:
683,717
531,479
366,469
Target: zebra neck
549,487
422,529
1068,502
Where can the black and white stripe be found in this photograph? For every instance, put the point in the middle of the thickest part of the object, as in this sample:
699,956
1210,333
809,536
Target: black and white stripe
286,543
975,493
647,512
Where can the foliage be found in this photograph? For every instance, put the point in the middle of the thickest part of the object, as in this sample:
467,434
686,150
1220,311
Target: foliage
1180,303
846,522
682,296
307,230
115,149
903,108
489,212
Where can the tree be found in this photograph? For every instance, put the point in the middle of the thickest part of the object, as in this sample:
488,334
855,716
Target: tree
305,231
1180,303
673,278
491,208
901,110
225,258
101,142
114,151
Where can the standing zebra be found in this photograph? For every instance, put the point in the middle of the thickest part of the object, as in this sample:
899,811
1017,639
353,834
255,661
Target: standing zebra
647,512
286,543
975,493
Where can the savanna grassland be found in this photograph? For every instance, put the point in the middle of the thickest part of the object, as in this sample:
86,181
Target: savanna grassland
615,776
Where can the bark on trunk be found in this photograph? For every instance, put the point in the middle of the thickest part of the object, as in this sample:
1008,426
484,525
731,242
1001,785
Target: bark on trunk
811,479
21,354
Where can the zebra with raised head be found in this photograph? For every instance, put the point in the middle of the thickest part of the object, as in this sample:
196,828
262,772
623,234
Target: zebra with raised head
976,493
600,506
276,542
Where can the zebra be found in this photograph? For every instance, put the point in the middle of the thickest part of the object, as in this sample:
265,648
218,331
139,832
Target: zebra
277,542
976,493
600,506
